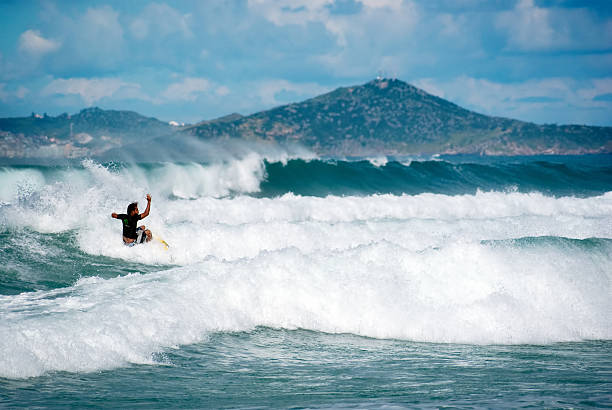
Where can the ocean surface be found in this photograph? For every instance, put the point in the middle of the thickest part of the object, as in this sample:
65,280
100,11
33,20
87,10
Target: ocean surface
297,281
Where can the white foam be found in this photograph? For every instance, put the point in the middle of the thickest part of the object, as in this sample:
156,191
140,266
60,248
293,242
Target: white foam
243,226
217,180
463,293
408,267
17,183
378,162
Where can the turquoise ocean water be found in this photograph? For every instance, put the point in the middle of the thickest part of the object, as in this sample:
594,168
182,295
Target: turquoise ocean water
309,282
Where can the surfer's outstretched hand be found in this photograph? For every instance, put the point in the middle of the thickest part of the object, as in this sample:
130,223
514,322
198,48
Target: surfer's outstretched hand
149,197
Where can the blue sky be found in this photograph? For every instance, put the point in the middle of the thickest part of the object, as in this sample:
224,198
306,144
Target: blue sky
542,61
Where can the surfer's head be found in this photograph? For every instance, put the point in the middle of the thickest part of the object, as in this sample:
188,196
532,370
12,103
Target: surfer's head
132,207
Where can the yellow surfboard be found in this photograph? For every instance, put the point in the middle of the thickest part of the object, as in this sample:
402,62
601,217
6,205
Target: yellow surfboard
166,246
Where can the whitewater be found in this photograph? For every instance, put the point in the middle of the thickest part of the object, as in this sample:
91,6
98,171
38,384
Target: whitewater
327,268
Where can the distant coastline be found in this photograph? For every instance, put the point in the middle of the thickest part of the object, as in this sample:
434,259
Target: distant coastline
381,117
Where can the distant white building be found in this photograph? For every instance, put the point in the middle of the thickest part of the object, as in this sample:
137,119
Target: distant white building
176,124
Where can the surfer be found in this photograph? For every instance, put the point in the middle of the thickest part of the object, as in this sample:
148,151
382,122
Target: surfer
131,234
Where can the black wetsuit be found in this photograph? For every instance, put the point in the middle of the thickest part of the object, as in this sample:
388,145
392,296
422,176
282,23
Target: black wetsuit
130,224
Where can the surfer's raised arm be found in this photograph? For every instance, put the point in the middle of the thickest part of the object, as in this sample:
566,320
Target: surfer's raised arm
146,212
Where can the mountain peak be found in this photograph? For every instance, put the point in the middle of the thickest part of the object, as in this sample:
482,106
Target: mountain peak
91,109
395,85
383,82
390,116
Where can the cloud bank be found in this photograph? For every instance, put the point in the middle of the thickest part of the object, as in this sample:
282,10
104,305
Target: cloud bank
189,61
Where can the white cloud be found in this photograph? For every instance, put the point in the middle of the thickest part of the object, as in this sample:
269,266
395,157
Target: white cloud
528,26
21,92
101,27
93,89
7,95
394,5
540,100
96,39
268,91
598,87
186,90
161,20
288,12
222,91
431,86
397,14
102,17
532,28
300,12
32,42
82,42
140,28
451,25
376,37
490,96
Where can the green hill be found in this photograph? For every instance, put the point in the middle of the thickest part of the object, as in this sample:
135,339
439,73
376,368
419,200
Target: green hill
388,116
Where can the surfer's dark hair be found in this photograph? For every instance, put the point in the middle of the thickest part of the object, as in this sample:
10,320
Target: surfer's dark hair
131,207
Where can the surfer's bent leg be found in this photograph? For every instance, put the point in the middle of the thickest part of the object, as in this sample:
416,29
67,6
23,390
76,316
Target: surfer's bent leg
141,237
